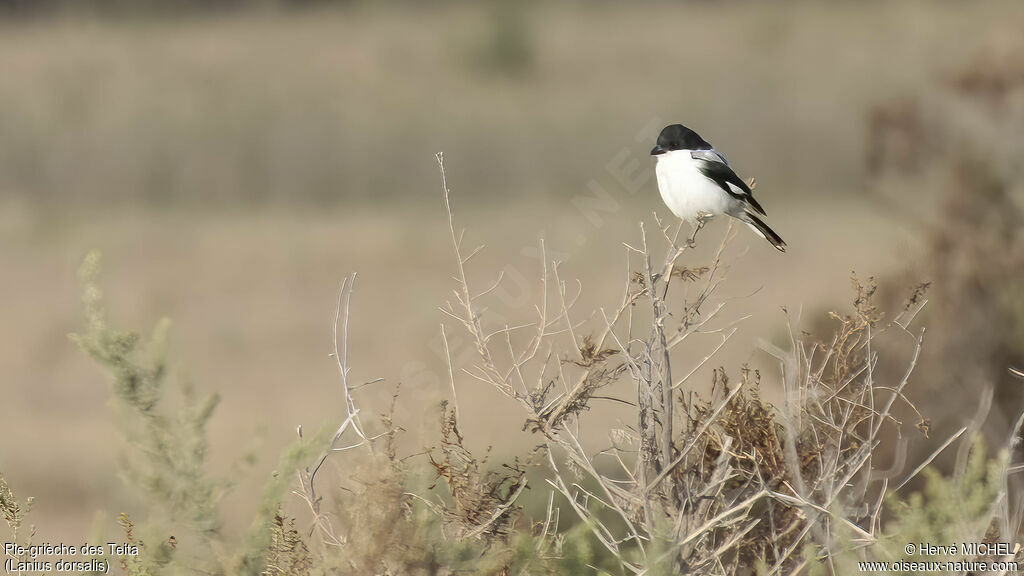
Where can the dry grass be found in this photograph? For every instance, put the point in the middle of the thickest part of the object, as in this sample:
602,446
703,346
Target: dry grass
678,491
722,484
727,484
98,114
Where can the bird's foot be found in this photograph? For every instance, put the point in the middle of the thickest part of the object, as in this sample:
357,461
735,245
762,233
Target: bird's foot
699,221
703,218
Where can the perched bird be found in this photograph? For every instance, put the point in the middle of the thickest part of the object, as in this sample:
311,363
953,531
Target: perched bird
696,182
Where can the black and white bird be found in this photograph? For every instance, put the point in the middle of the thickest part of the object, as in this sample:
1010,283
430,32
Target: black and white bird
696,182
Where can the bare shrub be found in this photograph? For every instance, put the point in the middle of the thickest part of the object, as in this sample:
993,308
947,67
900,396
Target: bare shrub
700,485
722,484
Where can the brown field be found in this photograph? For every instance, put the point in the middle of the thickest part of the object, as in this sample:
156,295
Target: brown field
233,169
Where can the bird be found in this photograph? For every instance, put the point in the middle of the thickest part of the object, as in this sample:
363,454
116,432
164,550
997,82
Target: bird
697,183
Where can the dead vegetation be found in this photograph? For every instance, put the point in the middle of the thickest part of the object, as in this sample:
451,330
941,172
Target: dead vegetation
715,483
723,484
483,501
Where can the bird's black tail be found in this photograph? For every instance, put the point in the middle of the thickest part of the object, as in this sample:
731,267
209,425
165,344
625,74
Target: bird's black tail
762,229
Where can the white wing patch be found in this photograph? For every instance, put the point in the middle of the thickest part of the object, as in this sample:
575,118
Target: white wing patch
709,156
736,189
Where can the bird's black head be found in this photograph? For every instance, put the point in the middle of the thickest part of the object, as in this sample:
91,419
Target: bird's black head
678,137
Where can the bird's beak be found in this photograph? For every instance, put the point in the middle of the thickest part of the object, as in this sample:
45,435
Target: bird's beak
657,150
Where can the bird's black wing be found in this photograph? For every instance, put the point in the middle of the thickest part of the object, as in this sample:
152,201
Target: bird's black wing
714,166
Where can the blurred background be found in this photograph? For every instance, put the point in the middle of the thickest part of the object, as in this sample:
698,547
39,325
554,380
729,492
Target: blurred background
233,160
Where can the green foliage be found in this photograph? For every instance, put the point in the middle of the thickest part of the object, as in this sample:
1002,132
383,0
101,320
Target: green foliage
253,552
947,510
574,550
168,456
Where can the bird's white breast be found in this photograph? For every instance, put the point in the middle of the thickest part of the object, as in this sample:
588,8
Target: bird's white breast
685,190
